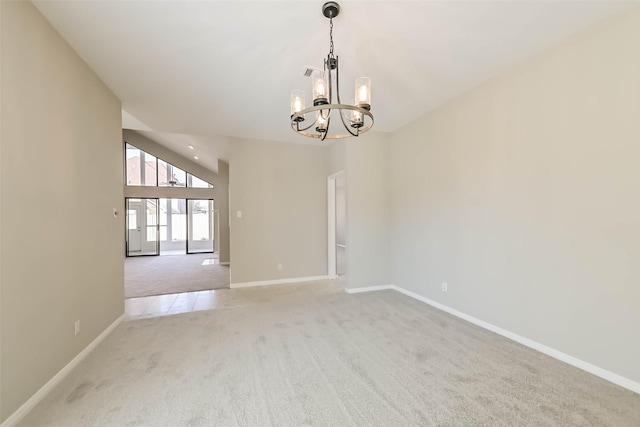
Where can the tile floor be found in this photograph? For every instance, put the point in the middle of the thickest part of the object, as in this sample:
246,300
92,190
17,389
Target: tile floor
163,305
185,302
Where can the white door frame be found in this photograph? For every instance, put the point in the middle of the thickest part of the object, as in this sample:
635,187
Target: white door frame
331,224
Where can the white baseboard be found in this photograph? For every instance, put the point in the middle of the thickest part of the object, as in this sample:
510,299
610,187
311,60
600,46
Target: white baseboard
368,289
45,389
556,354
277,281
224,263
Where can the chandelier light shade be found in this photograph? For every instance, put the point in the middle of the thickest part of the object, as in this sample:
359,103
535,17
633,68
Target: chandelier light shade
297,103
363,92
348,119
320,87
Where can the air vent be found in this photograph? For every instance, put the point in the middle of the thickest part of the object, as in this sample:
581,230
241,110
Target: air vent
308,70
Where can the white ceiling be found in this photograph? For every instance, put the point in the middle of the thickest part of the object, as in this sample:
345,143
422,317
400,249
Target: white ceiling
198,72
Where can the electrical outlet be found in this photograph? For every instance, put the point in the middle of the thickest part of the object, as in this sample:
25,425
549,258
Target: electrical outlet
76,326
279,266
445,287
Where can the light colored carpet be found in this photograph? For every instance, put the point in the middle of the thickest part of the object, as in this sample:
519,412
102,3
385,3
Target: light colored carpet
310,354
172,274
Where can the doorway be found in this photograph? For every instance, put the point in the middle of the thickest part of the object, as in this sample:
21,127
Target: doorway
169,226
200,224
173,226
337,225
142,227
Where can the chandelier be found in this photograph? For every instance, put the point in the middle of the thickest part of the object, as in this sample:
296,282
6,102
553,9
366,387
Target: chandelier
315,121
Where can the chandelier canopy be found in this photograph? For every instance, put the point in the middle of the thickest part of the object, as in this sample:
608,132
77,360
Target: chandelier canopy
315,121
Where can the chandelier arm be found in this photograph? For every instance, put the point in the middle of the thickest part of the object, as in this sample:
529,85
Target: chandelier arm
307,128
327,66
326,132
325,135
338,79
346,126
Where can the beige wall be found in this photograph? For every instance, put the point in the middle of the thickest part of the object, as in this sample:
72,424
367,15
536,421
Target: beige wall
281,189
220,181
337,156
524,196
61,177
367,199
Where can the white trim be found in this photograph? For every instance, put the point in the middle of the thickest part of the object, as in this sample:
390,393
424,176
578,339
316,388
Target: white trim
368,289
276,282
556,354
331,227
45,389
341,246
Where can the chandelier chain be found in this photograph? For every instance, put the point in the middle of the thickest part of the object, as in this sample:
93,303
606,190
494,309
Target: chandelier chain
331,37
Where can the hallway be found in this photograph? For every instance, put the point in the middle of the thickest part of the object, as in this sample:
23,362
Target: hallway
172,274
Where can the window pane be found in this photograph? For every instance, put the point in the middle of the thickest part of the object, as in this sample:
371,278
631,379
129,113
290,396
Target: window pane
196,182
134,168
151,233
141,167
133,219
151,212
200,219
162,173
201,226
163,220
152,217
178,177
150,176
178,220
170,176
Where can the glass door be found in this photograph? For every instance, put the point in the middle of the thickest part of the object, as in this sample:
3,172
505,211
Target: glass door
142,227
200,226
173,226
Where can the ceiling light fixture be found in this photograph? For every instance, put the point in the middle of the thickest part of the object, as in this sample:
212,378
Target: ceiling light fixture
356,119
192,147
196,157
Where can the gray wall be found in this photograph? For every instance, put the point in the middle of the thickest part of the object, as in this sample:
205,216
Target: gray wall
368,215
61,176
337,156
281,189
523,195
220,181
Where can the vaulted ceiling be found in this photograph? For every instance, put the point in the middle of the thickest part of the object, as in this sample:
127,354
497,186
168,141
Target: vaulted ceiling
199,72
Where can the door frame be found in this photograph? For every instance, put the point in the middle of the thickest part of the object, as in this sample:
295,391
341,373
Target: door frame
126,226
213,227
331,223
